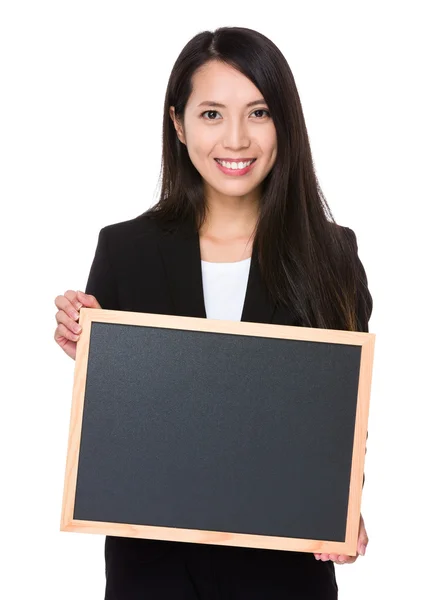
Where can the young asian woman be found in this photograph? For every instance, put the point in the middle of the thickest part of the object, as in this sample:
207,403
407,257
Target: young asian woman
241,231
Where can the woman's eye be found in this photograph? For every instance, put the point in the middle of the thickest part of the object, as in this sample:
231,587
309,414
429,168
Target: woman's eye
262,110
210,111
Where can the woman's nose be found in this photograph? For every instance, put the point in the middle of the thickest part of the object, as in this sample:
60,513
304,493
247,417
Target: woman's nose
236,135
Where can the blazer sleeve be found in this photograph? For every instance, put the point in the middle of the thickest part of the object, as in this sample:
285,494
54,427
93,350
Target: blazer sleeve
101,280
364,298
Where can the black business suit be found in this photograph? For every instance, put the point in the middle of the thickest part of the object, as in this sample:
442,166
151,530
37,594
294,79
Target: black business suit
144,267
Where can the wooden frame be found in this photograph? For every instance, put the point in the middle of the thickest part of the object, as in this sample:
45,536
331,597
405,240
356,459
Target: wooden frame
365,340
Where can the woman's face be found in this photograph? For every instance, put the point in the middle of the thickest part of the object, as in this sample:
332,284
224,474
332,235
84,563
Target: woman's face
227,118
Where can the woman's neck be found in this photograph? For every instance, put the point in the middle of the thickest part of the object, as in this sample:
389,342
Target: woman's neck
228,232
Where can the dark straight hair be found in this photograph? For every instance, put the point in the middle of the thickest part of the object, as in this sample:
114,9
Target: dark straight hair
308,262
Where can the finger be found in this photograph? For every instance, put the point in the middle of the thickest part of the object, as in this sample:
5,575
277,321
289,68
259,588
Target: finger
68,346
62,333
88,300
63,318
66,305
348,561
362,538
325,556
344,559
72,297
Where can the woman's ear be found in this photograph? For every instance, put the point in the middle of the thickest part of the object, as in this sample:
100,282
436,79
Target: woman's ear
177,125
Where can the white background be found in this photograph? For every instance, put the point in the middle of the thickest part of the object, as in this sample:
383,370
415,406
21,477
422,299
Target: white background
82,88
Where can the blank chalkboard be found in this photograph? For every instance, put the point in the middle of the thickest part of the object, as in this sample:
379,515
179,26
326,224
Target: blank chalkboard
233,433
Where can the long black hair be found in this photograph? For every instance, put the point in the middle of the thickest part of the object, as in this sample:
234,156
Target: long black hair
307,261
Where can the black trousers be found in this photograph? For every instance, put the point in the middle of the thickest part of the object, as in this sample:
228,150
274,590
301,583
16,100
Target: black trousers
139,569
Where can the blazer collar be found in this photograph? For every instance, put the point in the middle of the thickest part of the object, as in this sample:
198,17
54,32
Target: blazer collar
180,251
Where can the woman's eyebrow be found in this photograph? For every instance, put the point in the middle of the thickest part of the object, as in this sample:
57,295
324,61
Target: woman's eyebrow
219,105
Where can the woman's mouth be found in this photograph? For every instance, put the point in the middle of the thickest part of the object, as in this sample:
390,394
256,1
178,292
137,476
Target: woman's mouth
235,168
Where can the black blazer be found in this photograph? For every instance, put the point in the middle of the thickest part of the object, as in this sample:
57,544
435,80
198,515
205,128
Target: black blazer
144,267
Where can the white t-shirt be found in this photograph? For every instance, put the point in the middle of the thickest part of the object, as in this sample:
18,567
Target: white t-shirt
224,286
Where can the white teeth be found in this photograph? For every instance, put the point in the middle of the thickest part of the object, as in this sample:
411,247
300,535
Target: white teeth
233,165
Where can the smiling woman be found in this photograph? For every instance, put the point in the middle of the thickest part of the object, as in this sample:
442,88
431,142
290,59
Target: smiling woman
231,99
238,183
234,147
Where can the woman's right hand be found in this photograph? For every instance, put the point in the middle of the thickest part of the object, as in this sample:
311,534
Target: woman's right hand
68,330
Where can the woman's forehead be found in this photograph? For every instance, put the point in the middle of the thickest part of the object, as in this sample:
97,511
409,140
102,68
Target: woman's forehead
219,84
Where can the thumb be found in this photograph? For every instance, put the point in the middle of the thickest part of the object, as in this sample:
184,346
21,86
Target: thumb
88,300
363,538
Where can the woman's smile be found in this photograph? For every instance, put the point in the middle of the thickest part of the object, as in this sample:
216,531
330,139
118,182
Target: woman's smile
235,169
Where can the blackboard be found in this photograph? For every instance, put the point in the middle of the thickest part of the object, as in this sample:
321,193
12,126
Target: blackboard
220,432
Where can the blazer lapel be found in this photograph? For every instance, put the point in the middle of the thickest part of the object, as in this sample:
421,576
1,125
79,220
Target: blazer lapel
180,251
258,306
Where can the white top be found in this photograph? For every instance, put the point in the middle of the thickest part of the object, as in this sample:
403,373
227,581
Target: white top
224,286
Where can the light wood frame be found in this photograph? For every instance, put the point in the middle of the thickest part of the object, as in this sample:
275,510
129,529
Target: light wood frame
365,340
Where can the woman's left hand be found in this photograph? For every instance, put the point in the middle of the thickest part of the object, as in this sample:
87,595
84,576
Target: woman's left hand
341,559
